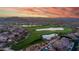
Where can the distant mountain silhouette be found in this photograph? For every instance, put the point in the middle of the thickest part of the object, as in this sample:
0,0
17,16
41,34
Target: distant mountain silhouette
38,20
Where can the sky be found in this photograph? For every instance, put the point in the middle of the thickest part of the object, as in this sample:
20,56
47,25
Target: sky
47,12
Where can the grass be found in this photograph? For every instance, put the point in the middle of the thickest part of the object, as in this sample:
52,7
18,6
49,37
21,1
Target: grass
36,36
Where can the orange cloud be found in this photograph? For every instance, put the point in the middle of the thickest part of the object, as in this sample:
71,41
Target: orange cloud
40,12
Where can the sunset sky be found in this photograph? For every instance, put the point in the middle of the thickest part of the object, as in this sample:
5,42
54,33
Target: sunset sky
49,12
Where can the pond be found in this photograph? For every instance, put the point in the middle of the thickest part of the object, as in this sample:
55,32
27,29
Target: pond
50,29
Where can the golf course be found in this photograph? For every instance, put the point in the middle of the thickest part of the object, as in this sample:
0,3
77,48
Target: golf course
36,36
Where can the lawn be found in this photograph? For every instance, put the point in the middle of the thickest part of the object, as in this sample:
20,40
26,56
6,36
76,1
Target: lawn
36,36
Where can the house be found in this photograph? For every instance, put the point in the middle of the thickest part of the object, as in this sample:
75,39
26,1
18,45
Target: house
49,37
2,45
3,38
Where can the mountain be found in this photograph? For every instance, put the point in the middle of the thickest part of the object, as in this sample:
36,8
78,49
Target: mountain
40,21
46,12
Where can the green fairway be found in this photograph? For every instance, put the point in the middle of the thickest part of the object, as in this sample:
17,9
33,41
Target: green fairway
36,35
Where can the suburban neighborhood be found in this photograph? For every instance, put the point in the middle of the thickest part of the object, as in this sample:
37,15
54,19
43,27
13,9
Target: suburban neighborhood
10,34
